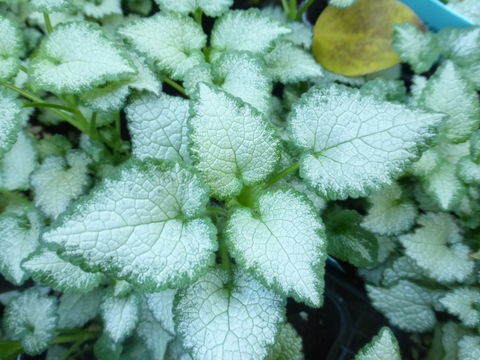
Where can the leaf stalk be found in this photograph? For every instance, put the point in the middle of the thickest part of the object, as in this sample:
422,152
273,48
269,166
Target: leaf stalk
291,169
176,86
48,22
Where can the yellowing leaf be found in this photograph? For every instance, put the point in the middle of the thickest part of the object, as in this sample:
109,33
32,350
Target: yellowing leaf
357,40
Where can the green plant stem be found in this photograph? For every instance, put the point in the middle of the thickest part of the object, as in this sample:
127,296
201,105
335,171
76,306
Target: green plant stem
293,10
82,124
303,8
286,8
50,106
15,197
64,331
22,92
93,123
249,195
226,264
23,68
48,22
207,52
197,15
72,350
36,99
176,86
83,336
291,169
76,336
72,102
85,124
222,249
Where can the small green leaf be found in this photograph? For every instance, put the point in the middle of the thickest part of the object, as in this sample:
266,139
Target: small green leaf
58,181
288,63
355,144
403,268
418,84
463,302
107,98
386,247
461,105
301,34
161,306
120,315
144,224
10,50
75,310
437,168
461,46
56,144
406,305
295,183
158,125
385,90
14,174
50,5
347,240
415,47
46,267
233,145
218,321
281,242
438,249
468,171
145,79
248,30
197,74
382,347
288,345
180,6
76,57
173,41
31,318
112,96
100,8
212,8
154,336
239,74
244,76
10,124
19,235
390,212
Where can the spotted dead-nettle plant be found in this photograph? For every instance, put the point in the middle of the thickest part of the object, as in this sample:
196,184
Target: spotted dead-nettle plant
168,188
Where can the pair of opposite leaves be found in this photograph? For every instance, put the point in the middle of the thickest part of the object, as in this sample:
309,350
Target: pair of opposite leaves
147,223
